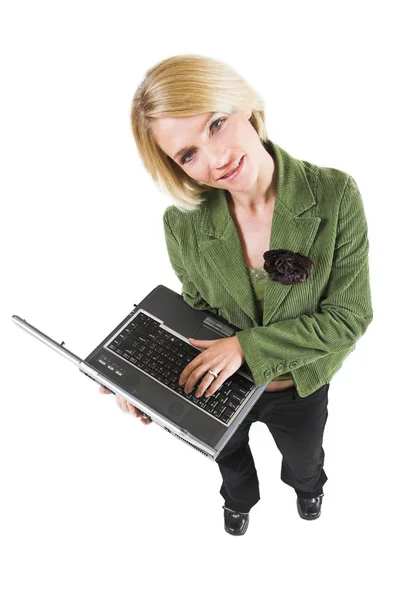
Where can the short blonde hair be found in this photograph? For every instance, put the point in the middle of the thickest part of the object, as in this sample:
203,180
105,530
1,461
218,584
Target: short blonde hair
184,86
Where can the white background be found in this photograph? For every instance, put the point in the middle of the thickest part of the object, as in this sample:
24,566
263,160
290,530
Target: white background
94,504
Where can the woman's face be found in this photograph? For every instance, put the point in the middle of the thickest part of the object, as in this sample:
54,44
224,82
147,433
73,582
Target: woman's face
208,145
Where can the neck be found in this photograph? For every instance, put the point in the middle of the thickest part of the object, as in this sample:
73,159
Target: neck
261,196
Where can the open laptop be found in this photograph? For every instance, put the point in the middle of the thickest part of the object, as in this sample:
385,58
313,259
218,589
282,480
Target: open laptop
143,357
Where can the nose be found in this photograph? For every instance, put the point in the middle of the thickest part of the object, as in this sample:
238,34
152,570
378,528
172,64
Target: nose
218,159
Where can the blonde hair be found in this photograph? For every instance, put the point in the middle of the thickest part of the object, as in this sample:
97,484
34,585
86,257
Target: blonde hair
183,86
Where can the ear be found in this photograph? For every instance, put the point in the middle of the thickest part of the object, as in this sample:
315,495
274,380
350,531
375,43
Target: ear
249,114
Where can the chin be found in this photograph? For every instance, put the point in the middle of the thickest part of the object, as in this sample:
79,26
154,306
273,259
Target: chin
244,186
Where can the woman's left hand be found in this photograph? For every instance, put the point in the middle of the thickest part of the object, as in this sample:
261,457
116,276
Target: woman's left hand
222,356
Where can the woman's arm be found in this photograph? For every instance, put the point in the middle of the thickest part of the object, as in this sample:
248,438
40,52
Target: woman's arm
344,314
189,292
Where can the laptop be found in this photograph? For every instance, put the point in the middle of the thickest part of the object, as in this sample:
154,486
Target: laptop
143,358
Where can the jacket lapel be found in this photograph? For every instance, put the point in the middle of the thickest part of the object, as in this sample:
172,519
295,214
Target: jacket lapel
222,247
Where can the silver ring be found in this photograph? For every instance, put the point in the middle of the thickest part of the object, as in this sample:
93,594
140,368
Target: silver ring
213,373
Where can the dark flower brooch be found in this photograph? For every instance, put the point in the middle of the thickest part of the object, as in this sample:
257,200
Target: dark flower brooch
285,266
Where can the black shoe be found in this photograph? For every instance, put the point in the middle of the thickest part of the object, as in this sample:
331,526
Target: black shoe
309,508
236,523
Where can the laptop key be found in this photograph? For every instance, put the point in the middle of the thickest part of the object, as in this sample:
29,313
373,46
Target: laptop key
237,397
239,389
242,382
152,335
232,404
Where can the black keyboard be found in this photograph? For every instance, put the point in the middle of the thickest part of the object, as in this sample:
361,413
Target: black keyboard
164,356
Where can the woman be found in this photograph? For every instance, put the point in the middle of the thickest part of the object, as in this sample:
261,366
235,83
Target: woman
275,245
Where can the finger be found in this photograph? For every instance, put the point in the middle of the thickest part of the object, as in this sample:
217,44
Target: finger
104,390
187,371
216,384
122,404
129,407
193,378
133,410
208,383
145,416
201,373
211,384
119,403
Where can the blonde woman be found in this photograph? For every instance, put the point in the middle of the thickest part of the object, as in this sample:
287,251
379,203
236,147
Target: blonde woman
275,245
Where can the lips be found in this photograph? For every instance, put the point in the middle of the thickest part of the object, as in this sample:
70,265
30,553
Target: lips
236,166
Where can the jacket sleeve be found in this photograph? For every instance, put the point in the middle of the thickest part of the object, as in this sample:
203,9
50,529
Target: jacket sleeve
343,315
189,292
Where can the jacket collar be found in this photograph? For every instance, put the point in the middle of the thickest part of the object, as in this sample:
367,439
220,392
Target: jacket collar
289,231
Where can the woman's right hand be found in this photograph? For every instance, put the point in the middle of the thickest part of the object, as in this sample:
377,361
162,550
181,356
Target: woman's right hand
127,407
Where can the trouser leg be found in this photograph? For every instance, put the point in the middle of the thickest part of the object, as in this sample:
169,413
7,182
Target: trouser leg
240,486
297,426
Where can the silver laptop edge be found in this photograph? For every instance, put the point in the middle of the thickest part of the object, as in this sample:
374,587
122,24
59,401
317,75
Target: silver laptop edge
160,420
47,340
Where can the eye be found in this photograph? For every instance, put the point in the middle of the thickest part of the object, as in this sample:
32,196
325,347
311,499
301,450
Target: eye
186,155
217,121
184,158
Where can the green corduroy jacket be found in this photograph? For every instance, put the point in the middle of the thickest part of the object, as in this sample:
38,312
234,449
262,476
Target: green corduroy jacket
308,328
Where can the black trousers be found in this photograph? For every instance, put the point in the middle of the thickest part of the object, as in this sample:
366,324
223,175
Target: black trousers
297,426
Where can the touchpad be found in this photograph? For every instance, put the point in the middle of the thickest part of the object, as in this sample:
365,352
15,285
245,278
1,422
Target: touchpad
205,333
